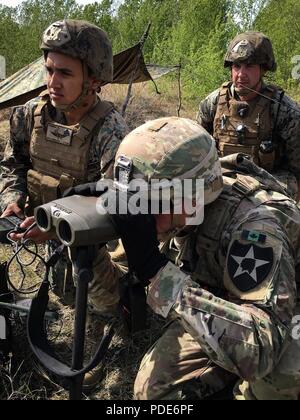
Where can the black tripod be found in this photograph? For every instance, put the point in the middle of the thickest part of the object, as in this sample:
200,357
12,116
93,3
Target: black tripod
82,259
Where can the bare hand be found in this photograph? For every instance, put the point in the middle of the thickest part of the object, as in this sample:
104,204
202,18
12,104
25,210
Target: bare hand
35,234
13,209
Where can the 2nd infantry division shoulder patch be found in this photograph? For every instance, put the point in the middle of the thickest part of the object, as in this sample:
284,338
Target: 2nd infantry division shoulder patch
249,265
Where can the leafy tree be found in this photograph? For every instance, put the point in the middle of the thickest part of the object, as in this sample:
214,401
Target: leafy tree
245,12
101,14
280,20
9,36
193,32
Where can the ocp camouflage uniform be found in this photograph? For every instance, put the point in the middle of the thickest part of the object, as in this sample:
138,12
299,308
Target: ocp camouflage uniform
231,294
268,120
18,163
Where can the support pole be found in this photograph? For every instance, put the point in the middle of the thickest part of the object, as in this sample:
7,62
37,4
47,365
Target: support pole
179,89
83,270
129,91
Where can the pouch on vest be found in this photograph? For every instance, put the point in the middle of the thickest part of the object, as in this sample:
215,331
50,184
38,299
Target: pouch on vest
241,128
62,151
232,149
267,160
41,188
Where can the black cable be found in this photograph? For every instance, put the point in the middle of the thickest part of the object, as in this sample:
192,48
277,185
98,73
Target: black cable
275,101
24,245
18,249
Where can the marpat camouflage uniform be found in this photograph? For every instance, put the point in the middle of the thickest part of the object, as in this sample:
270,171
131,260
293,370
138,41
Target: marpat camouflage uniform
231,293
287,133
16,163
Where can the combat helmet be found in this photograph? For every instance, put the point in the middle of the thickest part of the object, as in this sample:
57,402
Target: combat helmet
83,40
170,148
251,48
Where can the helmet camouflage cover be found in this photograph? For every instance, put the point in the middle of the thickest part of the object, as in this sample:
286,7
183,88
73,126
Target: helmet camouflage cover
83,40
173,148
252,48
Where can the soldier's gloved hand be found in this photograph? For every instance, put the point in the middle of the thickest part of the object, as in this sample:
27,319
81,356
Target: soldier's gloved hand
139,237
86,190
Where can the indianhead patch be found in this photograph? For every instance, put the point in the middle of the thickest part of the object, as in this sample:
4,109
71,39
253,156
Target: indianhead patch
249,265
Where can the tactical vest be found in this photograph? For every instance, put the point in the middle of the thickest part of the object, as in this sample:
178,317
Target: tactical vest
60,154
202,253
241,127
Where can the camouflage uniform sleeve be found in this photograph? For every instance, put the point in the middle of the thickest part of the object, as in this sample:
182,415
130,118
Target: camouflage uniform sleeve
207,111
245,333
112,133
16,160
288,130
104,288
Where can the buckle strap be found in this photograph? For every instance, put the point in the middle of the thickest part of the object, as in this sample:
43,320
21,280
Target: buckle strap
38,110
245,185
94,119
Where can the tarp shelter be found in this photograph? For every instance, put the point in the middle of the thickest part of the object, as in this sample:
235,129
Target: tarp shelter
27,83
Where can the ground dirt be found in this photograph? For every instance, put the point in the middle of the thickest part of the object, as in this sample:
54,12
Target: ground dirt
24,379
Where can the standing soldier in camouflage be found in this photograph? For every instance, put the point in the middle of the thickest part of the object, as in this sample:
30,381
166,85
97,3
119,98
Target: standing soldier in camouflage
248,116
65,137
227,286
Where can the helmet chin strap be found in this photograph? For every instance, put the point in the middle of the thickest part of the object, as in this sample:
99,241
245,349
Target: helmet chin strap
81,98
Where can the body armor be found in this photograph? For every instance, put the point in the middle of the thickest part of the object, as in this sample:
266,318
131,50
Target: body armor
241,197
59,153
242,127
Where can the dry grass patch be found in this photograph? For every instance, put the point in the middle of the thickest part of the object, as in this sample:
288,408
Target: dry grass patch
25,379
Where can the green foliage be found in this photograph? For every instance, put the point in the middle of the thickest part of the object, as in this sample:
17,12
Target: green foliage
25,24
284,31
9,34
204,71
246,12
101,14
193,32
